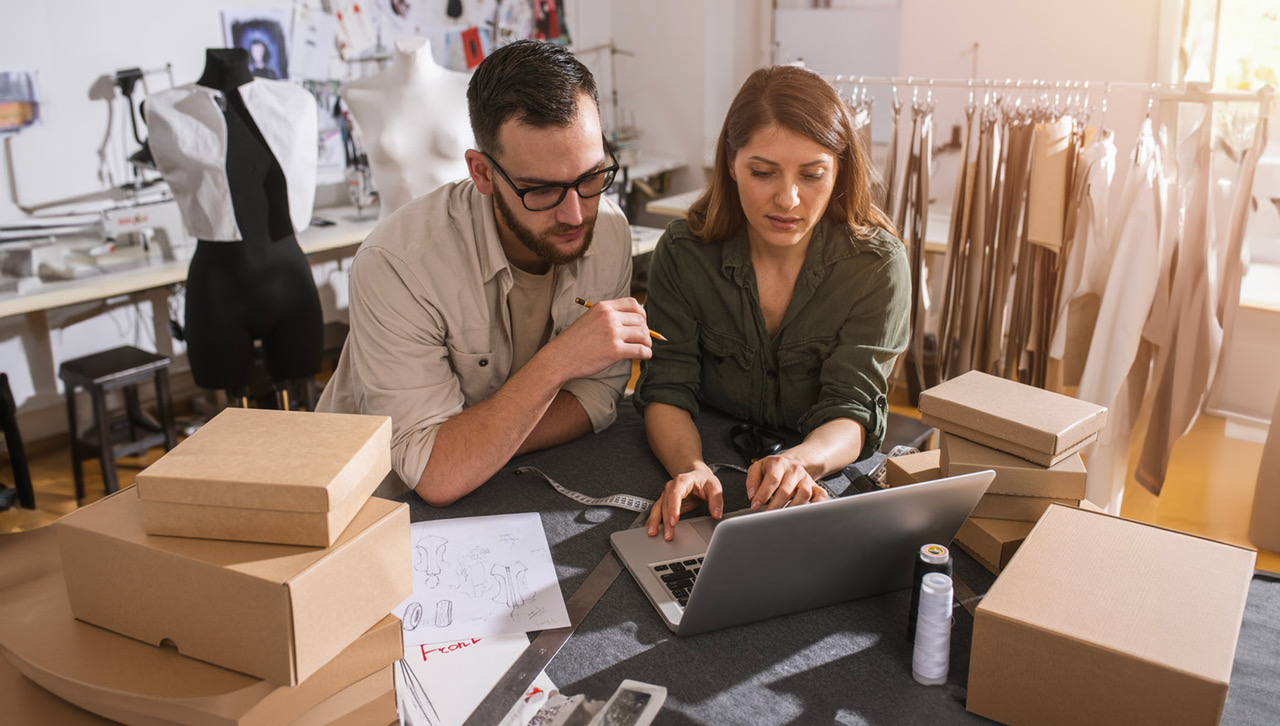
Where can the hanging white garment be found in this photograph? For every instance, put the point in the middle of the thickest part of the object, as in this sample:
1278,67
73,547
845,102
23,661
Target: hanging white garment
187,133
1089,260
1235,261
1189,349
1116,369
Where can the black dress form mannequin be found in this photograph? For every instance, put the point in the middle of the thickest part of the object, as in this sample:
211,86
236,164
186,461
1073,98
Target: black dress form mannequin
259,288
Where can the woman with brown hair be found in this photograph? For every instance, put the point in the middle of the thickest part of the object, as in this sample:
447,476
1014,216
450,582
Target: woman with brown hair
784,296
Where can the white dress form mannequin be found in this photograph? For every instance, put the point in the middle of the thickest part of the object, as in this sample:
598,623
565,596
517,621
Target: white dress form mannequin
413,117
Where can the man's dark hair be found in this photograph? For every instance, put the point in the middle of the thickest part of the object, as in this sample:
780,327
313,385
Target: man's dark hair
534,82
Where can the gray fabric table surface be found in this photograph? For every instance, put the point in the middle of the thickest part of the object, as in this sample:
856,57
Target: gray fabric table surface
847,663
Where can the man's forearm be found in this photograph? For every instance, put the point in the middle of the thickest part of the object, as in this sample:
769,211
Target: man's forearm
564,420
472,446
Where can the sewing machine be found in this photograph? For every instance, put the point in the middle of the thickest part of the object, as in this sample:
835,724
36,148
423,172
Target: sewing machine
129,236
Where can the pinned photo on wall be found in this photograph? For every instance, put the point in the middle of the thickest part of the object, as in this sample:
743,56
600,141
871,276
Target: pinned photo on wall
471,47
19,101
262,33
546,20
314,37
356,34
464,48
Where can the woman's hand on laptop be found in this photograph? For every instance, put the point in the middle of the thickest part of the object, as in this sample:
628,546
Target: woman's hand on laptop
682,495
776,481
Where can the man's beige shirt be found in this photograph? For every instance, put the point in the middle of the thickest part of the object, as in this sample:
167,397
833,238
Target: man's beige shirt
430,328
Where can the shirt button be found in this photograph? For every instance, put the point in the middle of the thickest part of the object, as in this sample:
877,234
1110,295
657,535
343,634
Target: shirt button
484,362
772,374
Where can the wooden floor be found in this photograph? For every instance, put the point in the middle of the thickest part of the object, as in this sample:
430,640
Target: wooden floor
1209,491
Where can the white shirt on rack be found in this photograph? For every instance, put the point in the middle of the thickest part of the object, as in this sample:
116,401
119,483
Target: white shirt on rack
187,133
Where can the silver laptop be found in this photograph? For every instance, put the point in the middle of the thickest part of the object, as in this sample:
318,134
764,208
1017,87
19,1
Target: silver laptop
716,574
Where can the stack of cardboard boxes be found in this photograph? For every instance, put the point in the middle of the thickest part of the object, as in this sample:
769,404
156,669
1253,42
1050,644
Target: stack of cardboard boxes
1030,437
252,546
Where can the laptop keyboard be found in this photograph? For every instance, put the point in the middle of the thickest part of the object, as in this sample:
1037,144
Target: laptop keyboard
679,576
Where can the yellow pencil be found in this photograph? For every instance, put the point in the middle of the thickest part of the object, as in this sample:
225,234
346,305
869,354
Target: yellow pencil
585,304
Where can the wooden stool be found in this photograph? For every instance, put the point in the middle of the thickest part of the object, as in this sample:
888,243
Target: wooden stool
26,495
128,435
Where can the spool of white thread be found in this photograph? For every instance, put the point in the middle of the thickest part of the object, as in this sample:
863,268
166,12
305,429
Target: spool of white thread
932,656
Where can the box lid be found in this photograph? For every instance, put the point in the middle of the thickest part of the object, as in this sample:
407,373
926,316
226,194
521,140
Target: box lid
265,459
1156,595
120,518
1035,418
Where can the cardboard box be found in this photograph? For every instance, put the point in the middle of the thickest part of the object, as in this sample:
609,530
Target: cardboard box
256,475
1016,508
1264,520
130,680
272,611
368,702
1037,425
912,468
1100,620
992,541
1065,480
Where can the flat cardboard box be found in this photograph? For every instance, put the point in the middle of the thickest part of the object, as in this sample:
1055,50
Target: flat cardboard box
1037,425
993,541
1264,520
155,685
258,475
912,468
273,611
1016,508
1100,620
995,569
368,702
1065,480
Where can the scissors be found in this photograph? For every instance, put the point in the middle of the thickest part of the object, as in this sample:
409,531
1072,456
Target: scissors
755,442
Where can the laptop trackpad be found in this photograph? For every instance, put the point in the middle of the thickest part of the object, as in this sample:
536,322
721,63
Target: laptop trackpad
703,527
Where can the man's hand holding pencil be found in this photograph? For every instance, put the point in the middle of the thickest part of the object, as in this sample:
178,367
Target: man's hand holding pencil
609,331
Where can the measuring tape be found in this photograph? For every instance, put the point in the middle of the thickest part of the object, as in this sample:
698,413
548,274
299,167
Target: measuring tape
629,502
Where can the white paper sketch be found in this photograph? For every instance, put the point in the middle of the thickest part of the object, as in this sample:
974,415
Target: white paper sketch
440,684
481,576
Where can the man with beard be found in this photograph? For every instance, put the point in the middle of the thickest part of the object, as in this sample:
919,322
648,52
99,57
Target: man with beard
464,326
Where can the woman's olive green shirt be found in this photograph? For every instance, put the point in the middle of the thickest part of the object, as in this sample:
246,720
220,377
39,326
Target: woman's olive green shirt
845,326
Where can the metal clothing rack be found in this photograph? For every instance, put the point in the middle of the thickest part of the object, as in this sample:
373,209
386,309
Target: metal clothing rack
1173,92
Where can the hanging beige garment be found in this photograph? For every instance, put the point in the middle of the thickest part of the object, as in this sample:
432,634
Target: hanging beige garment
1089,258
1185,364
972,314
957,253
1116,371
1049,182
1235,253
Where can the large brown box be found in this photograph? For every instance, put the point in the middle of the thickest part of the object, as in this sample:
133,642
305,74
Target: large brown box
257,475
1264,521
273,611
1065,480
992,542
1037,425
1100,620
1015,508
912,468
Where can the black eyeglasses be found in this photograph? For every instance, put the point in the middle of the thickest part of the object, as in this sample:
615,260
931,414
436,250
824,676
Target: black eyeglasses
546,196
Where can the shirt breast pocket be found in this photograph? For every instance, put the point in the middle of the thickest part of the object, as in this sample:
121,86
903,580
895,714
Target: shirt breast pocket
800,365
477,373
721,348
